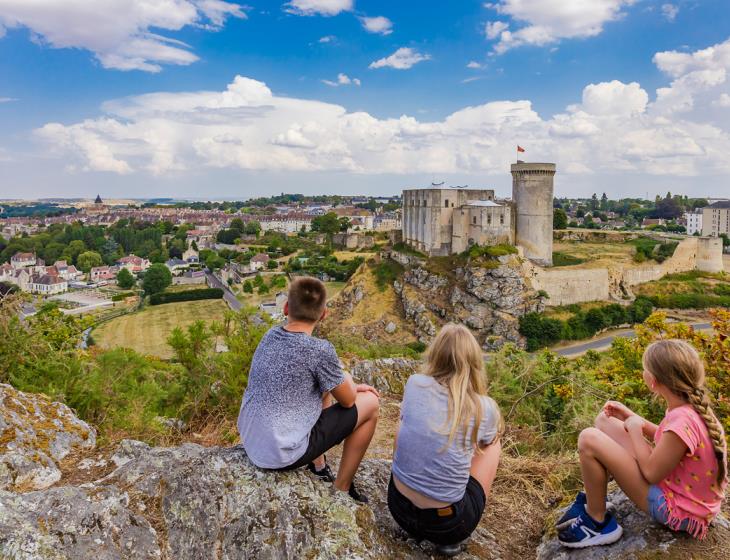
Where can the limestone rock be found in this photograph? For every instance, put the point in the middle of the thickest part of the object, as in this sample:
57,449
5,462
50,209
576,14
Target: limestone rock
34,435
386,374
196,503
390,328
641,535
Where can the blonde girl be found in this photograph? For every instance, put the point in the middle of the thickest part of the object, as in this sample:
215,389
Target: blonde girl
447,446
679,479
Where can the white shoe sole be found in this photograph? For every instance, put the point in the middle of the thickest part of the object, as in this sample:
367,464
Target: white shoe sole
598,540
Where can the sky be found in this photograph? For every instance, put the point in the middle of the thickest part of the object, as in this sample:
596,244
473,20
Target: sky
215,99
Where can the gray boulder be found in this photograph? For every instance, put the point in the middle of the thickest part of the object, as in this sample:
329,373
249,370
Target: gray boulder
388,375
642,538
35,434
194,503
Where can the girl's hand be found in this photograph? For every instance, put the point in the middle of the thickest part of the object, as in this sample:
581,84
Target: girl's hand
363,388
615,409
634,423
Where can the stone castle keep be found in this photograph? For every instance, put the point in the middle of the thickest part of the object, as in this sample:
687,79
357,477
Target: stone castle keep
444,221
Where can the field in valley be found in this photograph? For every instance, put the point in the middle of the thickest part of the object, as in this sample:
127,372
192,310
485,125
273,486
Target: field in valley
147,331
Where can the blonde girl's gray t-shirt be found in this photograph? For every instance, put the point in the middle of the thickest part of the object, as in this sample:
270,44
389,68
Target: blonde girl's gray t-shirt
283,400
423,461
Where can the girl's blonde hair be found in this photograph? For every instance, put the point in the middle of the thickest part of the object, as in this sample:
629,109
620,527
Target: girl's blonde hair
677,365
455,360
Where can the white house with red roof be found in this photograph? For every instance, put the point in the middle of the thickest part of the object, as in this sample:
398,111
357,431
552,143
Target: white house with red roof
22,260
103,274
133,263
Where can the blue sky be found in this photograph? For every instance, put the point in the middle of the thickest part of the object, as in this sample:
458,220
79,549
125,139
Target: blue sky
574,82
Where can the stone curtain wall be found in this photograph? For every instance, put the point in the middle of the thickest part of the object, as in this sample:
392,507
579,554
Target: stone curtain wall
567,285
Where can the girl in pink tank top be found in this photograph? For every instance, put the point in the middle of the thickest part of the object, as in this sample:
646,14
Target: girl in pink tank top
680,480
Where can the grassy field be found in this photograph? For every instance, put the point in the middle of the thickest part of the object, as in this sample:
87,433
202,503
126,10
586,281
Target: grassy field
348,255
593,255
147,331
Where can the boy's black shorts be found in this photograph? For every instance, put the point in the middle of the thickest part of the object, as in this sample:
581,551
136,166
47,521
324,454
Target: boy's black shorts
334,424
449,525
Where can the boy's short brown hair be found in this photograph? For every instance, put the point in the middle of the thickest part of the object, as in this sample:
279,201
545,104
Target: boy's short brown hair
307,299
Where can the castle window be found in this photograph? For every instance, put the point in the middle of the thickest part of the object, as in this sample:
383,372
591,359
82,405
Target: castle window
446,204
474,220
501,219
489,219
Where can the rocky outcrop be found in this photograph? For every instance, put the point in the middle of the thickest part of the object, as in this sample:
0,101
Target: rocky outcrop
195,503
388,375
641,536
35,434
488,299
415,311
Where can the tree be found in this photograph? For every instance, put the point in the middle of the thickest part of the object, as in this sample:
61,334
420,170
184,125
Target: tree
344,223
328,223
89,259
594,202
156,279
248,287
75,248
604,202
272,264
560,219
252,228
725,240
125,279
237,223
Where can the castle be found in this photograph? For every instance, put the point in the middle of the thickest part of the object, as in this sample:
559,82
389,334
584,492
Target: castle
444,221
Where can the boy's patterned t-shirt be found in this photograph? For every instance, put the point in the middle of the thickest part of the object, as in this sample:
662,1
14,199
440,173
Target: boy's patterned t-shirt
691,490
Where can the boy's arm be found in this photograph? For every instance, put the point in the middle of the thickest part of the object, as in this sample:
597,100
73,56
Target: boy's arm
346,392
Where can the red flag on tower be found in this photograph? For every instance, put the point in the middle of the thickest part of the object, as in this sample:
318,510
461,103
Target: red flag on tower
520,148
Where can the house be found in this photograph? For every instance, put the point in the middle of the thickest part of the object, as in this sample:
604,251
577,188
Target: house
202,238
259,262
191,255
176,264
6,272
47,285
648,222
275,308
21,260
133,263
65,271
103,274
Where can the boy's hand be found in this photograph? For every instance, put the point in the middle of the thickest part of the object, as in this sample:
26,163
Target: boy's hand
615,409
363,388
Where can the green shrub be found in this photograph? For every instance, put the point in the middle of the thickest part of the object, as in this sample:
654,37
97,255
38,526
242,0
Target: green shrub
690,301
386,272
564,259
188,295
123,295
722,289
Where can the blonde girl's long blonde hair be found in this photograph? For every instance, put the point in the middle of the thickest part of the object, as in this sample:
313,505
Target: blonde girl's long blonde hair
677,365
455,360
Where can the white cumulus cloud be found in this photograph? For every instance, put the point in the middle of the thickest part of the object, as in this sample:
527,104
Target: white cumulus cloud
342,80
548,21
379,24
122,34
613,128
319,7
474,65
402,59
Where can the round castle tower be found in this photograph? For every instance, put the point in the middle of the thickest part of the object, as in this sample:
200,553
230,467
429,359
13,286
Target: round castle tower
532,194
709,254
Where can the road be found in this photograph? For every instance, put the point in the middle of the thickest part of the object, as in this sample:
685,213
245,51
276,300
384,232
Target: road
228,295
604,343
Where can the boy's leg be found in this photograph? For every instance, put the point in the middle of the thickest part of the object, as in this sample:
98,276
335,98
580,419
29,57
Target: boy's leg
319,462
600,455
614,428
358,441
484,465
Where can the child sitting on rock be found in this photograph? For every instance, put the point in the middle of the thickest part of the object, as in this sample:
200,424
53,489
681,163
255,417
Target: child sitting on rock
286,420
447,446
680,480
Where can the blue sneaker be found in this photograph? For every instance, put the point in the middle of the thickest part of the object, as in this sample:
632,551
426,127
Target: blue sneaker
584,532
570,514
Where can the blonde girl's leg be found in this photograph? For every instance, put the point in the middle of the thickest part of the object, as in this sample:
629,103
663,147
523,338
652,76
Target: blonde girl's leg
614,428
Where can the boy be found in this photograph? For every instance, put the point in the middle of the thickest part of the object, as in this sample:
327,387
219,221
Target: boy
286,420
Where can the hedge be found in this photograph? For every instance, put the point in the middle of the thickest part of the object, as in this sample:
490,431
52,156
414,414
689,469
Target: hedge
123,295
188,295
690,301
541,331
